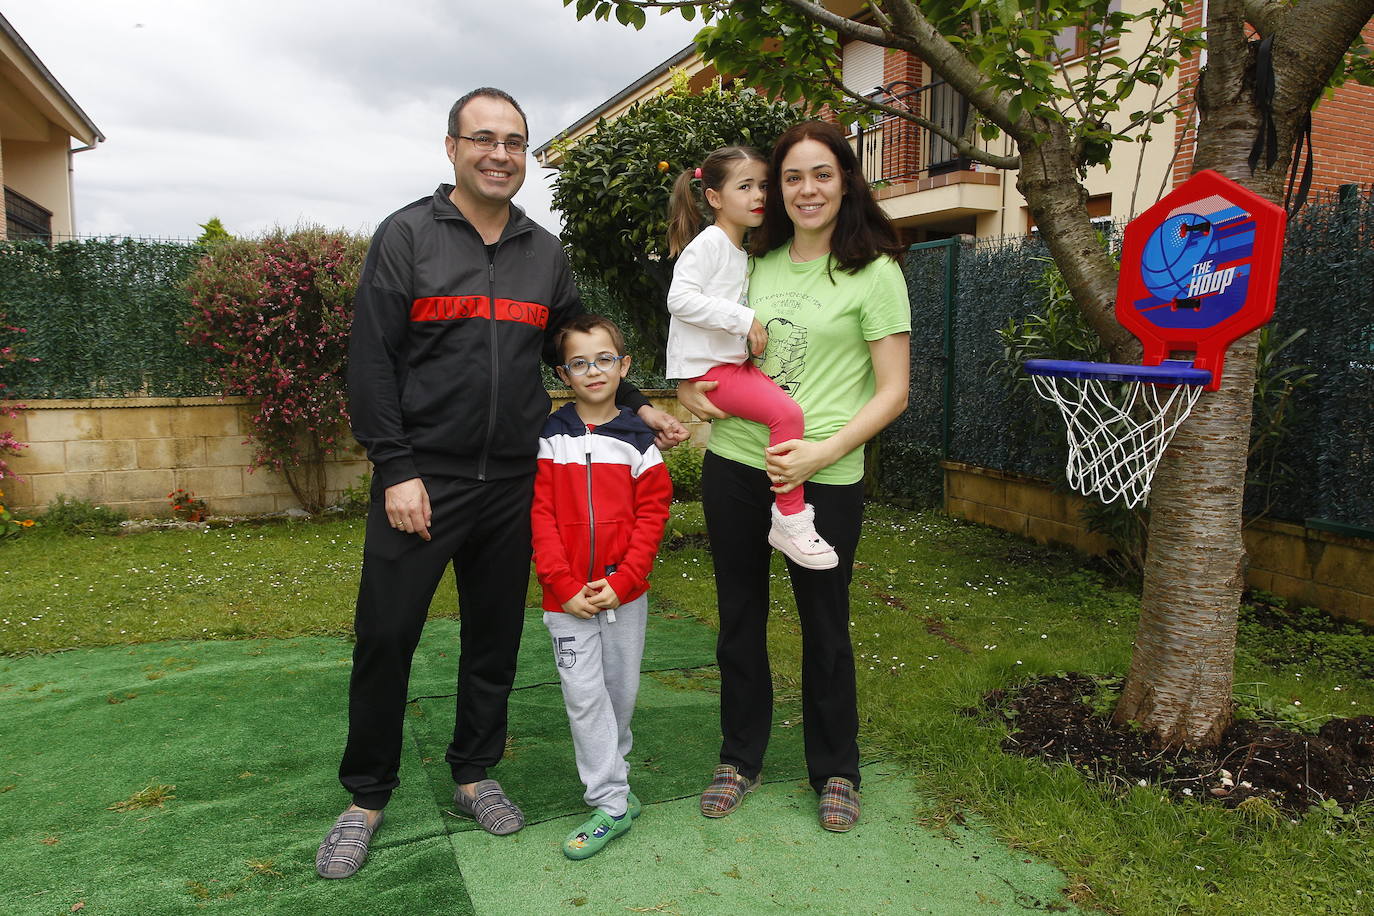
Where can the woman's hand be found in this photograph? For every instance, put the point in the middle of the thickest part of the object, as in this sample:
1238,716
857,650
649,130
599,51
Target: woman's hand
692,395
792,463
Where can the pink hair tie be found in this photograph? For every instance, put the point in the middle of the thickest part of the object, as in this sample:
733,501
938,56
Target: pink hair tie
697,174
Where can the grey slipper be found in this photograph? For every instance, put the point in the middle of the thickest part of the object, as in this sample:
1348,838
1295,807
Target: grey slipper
344,849
493,811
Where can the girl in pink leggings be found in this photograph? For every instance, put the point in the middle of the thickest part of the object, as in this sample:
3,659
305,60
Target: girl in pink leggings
713,332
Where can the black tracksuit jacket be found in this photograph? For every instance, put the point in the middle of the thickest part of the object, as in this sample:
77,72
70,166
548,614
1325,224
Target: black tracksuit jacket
443,366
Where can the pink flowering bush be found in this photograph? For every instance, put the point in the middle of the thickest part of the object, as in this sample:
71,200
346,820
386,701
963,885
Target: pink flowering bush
9,446
273,315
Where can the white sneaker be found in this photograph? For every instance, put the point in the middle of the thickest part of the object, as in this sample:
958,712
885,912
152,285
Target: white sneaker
796,537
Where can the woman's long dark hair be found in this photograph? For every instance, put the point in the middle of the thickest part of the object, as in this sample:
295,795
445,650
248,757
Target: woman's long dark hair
862,231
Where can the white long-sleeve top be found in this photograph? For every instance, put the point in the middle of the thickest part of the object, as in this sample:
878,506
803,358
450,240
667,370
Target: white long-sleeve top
707,300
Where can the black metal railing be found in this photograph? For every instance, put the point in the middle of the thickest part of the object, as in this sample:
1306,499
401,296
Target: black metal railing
895,149
26,220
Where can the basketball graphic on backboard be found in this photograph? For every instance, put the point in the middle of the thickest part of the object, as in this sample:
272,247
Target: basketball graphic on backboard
1200,269
1172,253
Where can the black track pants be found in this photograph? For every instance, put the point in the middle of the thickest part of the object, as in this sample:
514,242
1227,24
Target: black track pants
483,529
737,502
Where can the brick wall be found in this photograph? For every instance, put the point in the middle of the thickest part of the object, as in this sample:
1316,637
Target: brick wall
1342,131
1343,135
1185,129
902,152
1309,567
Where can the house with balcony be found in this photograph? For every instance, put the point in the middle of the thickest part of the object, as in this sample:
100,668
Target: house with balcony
41,130
931,192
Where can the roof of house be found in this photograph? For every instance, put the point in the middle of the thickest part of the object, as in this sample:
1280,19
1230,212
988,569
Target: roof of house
628,94
21,66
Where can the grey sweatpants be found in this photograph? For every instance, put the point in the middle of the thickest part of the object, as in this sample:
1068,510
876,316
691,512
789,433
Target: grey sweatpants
598,666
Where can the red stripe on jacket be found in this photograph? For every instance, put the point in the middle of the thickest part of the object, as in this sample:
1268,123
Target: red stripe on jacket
455,308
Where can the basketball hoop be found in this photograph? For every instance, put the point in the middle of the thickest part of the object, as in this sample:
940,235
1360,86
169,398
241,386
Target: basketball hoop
1199,269
1120,419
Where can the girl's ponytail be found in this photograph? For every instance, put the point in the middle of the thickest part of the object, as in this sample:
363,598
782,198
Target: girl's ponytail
684,215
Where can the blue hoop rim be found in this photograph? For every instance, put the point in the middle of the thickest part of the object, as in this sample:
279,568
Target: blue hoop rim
1169,372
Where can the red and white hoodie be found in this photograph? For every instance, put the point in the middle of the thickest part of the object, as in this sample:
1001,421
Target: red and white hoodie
601,498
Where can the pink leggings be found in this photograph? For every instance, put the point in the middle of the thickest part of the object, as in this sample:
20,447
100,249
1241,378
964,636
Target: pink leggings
744,391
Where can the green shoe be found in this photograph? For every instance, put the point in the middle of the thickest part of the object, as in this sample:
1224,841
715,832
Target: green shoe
632,806
598,830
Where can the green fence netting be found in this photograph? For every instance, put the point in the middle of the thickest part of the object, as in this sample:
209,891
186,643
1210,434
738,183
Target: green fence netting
909,451
102,317
1327,288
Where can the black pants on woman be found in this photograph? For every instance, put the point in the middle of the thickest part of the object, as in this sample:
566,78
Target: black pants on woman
738,502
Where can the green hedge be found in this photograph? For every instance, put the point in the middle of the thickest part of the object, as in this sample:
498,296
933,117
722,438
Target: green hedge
103,318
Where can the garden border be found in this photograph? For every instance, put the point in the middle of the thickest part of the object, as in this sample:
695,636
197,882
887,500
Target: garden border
1307,565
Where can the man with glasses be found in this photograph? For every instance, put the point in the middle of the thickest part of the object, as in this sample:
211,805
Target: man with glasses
460,296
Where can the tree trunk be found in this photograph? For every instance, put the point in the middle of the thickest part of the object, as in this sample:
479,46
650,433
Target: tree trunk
1179,685
1180,681
1058,203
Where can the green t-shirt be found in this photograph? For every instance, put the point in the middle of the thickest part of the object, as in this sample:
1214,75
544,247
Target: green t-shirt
818,334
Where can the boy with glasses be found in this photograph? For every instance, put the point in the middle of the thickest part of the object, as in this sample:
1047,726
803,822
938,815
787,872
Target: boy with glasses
601,496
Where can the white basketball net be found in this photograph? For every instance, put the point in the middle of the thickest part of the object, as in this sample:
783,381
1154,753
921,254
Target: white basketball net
1117,431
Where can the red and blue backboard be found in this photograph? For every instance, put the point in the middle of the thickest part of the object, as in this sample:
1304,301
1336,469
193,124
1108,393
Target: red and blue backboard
1199,270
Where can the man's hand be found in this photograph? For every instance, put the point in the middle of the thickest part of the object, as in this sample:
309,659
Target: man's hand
407,507
579,606
600,594
758,339
668,431
692,395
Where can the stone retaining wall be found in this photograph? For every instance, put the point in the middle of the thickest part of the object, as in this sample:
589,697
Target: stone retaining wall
129,453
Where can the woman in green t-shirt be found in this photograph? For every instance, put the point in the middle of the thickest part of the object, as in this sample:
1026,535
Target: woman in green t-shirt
826,284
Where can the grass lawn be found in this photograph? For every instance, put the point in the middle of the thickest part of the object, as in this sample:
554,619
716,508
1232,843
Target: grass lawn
942,613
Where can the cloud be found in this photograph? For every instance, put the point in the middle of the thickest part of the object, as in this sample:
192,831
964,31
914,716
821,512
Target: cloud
273,113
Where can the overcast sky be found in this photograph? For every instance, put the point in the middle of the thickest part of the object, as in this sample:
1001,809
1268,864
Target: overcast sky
275,112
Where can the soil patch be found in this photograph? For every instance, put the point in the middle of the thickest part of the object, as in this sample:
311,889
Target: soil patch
693,540
1065,719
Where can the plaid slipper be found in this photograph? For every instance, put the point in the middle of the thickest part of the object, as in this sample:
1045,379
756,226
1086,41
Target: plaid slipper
839,805
726,791
489,806
344,849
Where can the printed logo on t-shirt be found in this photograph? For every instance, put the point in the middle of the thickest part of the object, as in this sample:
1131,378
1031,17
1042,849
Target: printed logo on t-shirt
785,359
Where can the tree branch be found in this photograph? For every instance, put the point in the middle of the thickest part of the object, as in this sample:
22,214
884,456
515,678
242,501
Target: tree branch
901,14
922,38
962,144
1267,16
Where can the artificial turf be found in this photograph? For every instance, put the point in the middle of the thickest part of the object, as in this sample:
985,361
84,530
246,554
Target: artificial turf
243,739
